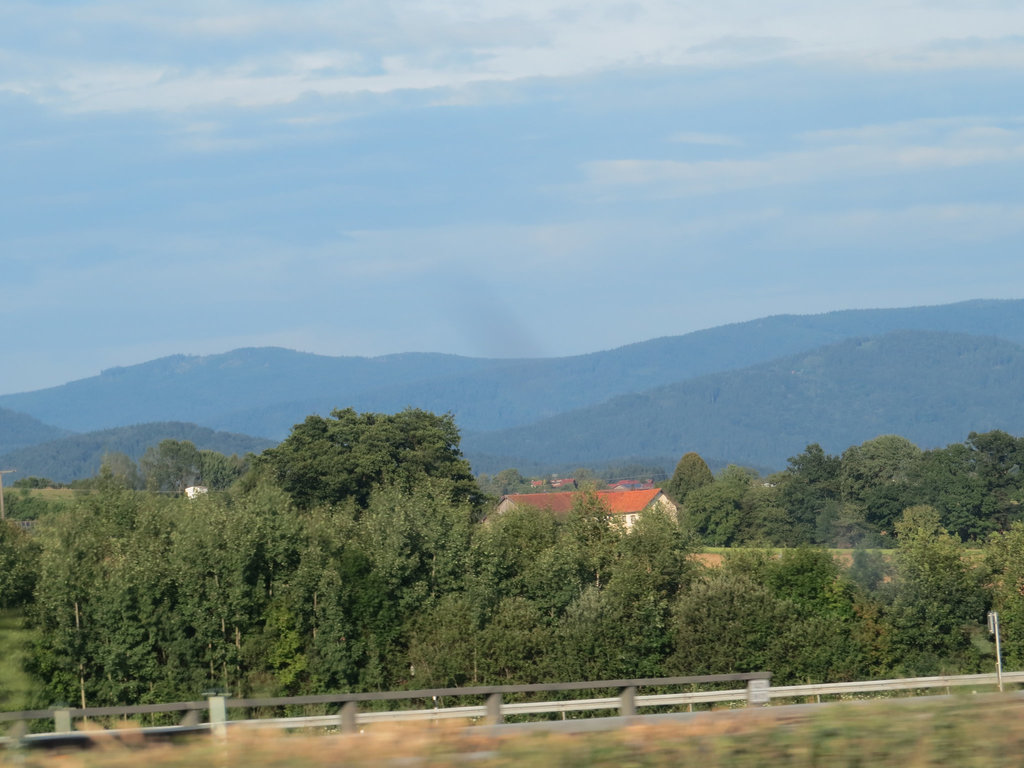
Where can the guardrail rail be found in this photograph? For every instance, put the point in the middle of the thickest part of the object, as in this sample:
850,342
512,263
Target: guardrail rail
494,708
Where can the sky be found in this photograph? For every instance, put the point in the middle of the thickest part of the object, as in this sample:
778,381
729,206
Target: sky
494,179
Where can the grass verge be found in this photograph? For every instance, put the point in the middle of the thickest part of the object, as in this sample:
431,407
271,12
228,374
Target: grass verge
957,731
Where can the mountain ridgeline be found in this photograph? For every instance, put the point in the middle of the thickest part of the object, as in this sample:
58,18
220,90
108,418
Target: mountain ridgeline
932,388
753,393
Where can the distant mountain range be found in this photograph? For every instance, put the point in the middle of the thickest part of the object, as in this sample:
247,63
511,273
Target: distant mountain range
933,388
753,393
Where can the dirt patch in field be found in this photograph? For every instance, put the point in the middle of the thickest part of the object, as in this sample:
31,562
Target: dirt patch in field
710,559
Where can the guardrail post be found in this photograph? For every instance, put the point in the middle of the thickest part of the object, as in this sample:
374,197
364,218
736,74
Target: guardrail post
347,717
757,692
627,701
62,720
494,716
218,716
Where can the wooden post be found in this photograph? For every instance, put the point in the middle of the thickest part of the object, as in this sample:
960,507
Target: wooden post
494,716
627,701
347,717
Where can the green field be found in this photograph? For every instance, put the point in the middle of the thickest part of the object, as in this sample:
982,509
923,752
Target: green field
53,494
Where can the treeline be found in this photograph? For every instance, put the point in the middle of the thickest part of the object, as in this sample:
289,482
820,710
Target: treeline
76,457
168,467
855,499
143,598
358,556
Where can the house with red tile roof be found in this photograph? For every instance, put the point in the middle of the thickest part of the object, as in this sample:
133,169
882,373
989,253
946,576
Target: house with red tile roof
631,485
622,505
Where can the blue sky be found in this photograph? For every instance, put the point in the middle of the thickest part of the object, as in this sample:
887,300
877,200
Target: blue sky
529,178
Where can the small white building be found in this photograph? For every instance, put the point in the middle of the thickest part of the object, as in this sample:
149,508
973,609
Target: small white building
195,491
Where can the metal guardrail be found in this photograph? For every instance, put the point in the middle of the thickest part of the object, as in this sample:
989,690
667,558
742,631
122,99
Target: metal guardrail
349,718
895,684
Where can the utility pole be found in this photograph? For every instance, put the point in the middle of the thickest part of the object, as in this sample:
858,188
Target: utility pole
3,472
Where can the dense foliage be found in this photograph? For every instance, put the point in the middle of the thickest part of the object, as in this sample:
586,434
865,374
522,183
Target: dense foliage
856,499
327,461
388,577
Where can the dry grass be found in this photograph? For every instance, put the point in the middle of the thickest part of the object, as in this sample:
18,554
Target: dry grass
962,731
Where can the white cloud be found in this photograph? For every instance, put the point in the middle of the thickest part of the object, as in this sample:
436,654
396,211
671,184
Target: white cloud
164,56
876,150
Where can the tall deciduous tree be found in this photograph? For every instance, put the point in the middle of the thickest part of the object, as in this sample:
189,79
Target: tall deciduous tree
938,597
876,476
19,558
999,461
171,466
1005,555
809,487
327,461
691,473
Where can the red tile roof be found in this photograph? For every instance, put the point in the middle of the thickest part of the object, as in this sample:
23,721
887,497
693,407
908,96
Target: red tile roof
618,502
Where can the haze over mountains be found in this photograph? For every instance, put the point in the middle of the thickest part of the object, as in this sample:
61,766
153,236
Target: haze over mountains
752,393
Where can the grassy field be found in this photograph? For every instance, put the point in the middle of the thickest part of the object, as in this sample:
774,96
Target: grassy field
949,731
714,555
53,494
15,686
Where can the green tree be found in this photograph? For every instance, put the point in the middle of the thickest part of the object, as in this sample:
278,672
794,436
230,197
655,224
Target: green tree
876,476
121,468
588,539
651,568
998,463
729,622
514,644
807,489
939,598
1004,554
714,511
947,479
795,615
218,472
691,473
505,550
171,466
327,461
19,562
739,508
444,646
75,545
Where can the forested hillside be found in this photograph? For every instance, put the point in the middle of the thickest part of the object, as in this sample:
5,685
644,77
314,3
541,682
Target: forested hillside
79,456
932,388
18,430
